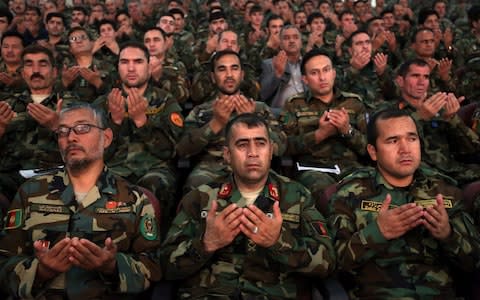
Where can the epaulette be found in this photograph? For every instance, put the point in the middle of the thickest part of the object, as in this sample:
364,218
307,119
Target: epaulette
225,191
296,96
430,172
361,173
350,95
273,191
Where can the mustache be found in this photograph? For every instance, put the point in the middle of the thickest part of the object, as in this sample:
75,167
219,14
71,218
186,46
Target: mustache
37,75
74,147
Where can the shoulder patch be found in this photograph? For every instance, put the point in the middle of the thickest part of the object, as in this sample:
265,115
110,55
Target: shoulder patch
320,228
148,227
14,219
176,119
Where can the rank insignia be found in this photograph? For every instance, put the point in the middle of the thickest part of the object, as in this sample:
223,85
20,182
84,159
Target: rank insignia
176,119
14,219
273,191
225,191
320,228
111,205
148,227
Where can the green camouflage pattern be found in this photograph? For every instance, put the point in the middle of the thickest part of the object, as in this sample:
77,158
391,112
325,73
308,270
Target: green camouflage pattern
200,142
413,266
49,212
243,269
300,117
444,141
174,78
82,88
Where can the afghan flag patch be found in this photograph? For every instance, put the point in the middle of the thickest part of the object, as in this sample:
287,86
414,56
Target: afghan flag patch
14,219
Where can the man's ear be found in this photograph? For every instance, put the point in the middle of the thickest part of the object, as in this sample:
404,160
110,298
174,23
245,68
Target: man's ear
226,154
108,137
399,81
372,151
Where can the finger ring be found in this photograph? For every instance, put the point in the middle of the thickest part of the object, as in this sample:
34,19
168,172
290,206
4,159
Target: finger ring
255,230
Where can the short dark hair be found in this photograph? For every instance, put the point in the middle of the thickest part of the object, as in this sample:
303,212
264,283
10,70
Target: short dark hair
386,11
273,17
105,21
13,34
311,54
315,15
36,49
176,11
349,41
254,9
217,55
80,8
385,114
473,14
156,28
122,12
345,12
405,67
137,45
6,13
250,119
35,9
55,15
424,14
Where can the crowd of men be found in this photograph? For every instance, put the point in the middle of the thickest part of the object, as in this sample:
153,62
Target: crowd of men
245,149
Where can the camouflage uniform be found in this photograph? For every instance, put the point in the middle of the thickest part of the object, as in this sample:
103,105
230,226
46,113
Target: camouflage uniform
413,266
198,139
45,209
468,72
26,144
373,88
243,270
203,87
18,85
174,78
300,120
145,155
82,88
444,142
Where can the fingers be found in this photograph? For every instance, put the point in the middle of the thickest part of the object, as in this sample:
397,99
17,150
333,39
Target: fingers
386,203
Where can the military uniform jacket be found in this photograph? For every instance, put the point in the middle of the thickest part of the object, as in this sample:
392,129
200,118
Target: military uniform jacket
300,120
199,139
26,144
242,267
444,142
415,265
45,209
138,150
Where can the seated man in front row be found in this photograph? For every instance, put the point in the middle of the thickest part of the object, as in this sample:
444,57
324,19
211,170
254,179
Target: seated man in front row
400,230
82,233
249,233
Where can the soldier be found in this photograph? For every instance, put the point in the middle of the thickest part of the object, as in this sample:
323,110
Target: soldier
167,72
55,25
325,127
202,85
86,75
11,80
147,124
250,233
446,137
28,119
206,122
82,232
400,229
106,44
367,74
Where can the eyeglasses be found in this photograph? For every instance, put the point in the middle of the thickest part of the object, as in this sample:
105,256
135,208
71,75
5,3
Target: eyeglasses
79,38
79,129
